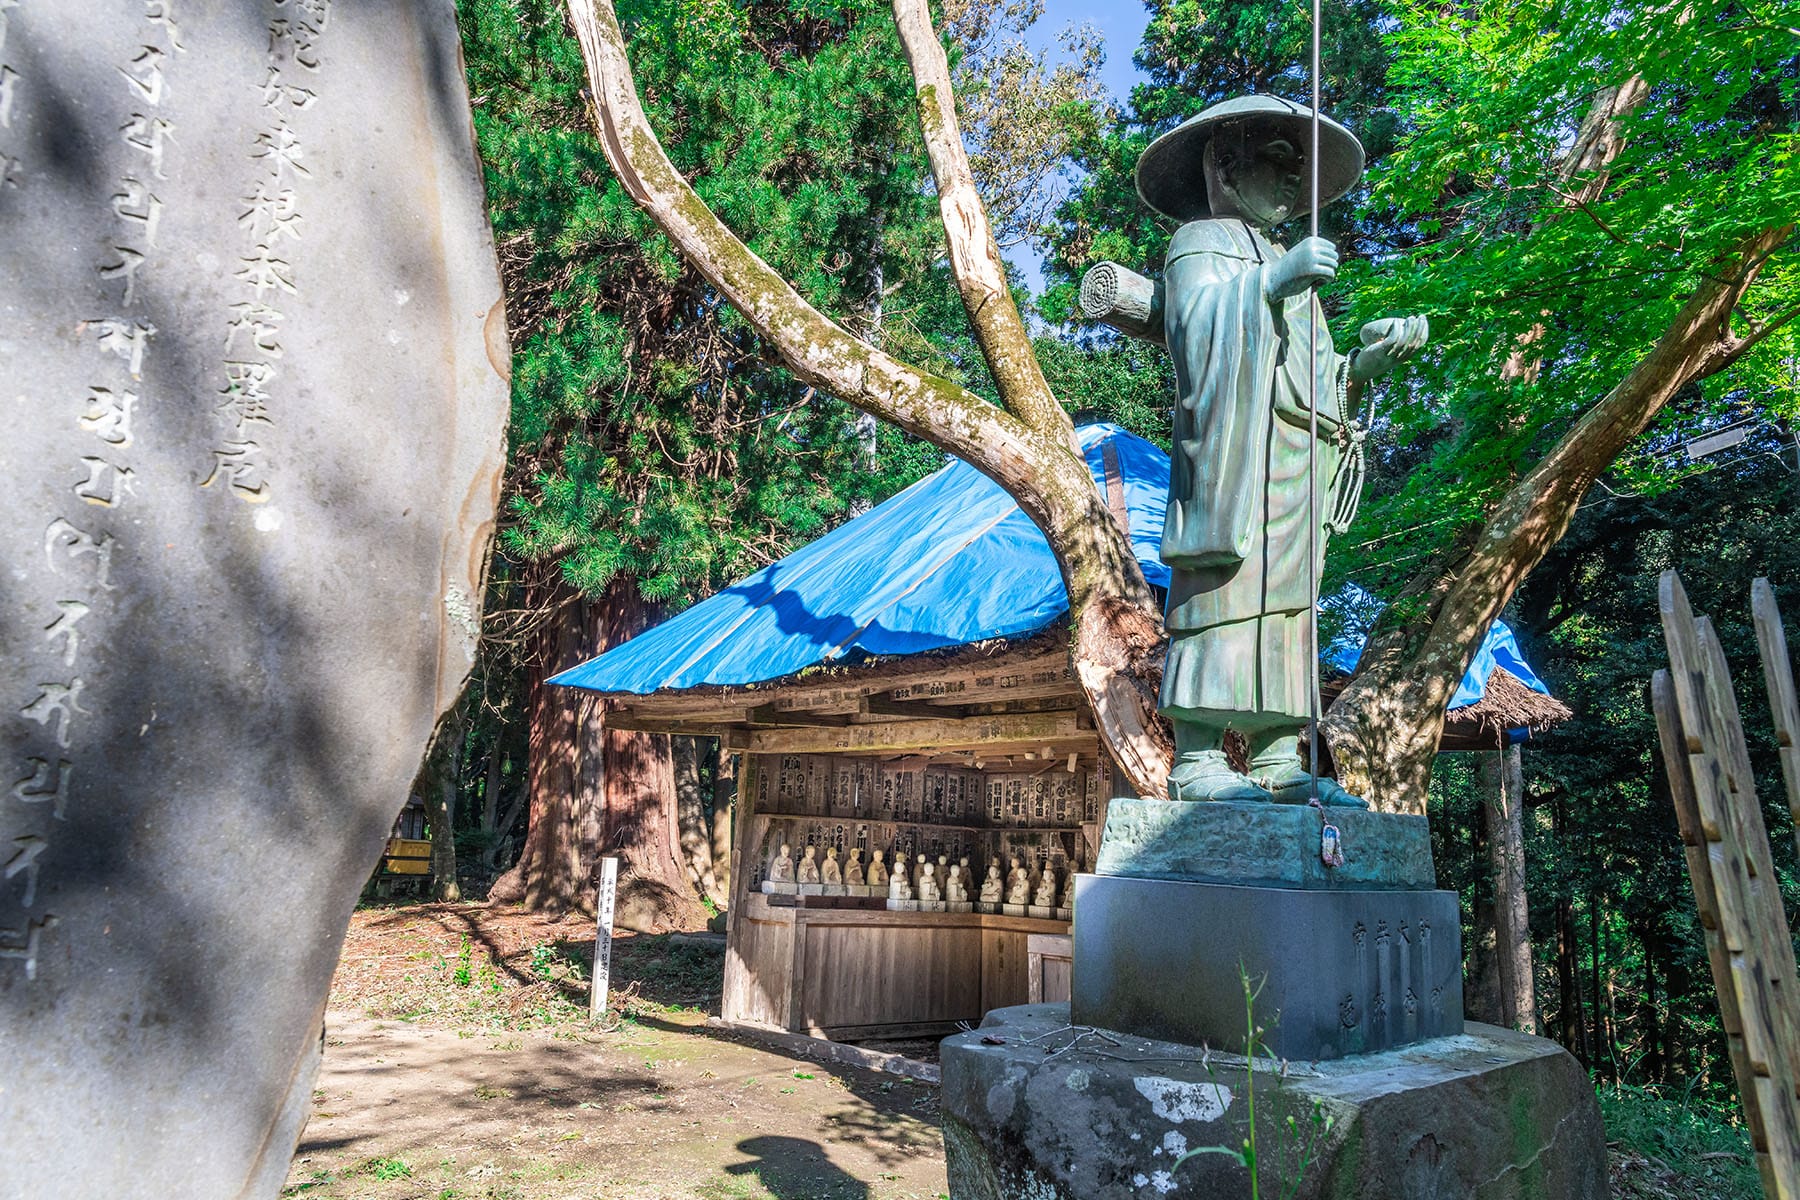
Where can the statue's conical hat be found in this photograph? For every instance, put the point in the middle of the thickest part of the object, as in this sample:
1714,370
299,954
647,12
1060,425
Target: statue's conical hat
1172,180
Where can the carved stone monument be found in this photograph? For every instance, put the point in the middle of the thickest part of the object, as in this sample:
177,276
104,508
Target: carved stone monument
255,388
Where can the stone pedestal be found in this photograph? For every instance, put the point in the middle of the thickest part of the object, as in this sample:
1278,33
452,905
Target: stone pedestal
1034,1108
1339,972
1271,845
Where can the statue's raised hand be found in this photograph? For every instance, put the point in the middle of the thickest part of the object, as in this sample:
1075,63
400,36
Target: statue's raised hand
1386,344
1312,263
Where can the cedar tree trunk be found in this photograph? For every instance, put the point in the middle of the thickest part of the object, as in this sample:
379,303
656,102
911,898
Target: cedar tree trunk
724,793
1502,796
596,791
440,808
690,811
555,866
639,822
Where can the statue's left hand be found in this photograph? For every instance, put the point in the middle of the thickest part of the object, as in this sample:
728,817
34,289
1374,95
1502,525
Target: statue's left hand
1386,344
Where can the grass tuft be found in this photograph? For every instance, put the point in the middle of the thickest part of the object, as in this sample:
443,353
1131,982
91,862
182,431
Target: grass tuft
1670,1147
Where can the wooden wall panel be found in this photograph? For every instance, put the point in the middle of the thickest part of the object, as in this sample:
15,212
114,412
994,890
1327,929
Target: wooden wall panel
758,970
1003,978
859,975
1056,979
1049,967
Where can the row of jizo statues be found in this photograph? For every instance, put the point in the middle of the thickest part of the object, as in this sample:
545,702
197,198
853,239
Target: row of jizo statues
900,842
923,885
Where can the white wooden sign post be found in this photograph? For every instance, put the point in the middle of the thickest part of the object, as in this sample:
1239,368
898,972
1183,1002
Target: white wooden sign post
603,912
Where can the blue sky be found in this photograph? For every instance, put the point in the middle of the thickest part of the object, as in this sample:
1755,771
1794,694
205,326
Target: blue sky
1121,25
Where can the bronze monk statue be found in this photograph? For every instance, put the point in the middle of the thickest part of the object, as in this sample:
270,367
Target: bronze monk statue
1238,315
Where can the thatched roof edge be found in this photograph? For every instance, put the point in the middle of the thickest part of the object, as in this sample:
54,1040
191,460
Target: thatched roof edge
1510,704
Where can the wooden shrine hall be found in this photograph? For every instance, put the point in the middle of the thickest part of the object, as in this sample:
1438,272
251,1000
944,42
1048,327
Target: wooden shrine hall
902,686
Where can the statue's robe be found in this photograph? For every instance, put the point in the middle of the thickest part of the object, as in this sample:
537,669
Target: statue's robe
1241,649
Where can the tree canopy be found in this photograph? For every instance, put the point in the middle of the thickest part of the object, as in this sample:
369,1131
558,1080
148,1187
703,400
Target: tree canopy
652,436
1579,267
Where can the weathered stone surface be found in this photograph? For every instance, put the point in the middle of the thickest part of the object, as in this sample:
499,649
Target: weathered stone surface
1274,845
252,361
1053,1113
1342,972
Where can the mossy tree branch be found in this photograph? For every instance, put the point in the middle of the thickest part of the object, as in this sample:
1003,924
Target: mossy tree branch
974,253
1027,448
1405,678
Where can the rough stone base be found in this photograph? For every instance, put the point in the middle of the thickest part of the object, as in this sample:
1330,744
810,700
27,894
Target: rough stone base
1054,1113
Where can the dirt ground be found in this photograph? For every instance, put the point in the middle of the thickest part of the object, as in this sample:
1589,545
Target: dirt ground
459,1064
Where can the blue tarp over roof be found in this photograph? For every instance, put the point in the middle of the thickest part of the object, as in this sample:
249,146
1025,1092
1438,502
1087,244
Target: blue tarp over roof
948,561
1498,649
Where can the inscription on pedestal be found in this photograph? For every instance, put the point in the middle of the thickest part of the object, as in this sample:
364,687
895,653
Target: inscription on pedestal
1345,972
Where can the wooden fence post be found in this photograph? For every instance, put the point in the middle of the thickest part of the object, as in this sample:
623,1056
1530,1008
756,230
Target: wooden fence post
1733,873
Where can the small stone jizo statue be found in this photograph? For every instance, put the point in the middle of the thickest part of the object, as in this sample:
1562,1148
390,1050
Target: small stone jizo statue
831,874
1018,879
853,868
878,872
809,866
993,885
1020,891
781,870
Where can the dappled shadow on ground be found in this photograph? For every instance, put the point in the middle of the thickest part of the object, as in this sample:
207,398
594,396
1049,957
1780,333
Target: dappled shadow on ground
891,1119
651,1108
673,971
796,1169
492,1088
406,1088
